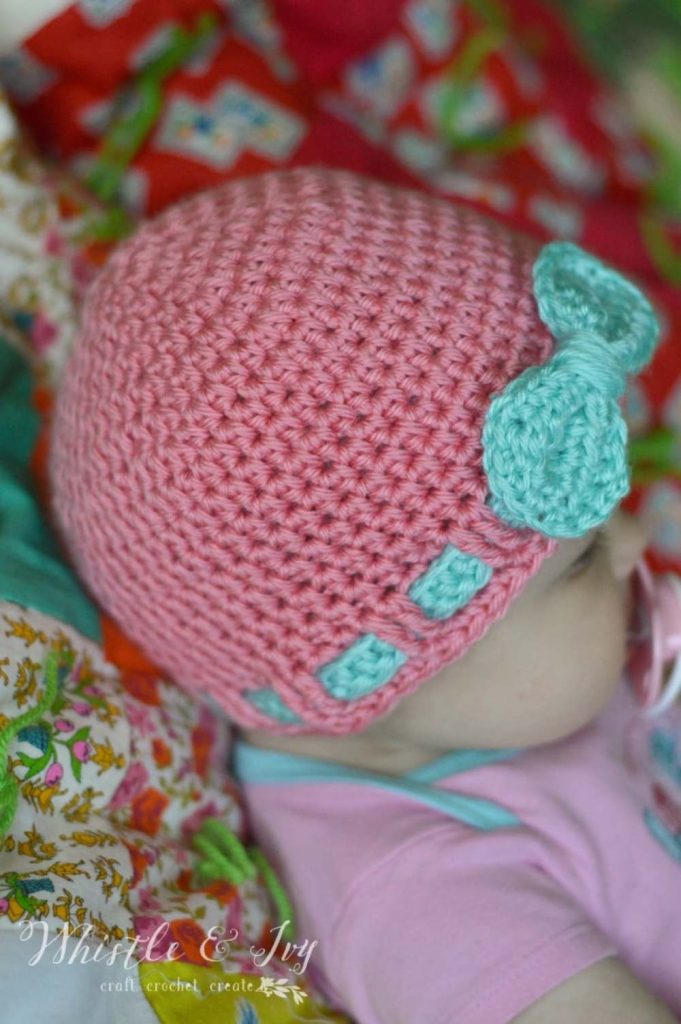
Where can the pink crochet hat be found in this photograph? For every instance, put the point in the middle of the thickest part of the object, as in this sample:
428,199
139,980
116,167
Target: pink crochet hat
316,435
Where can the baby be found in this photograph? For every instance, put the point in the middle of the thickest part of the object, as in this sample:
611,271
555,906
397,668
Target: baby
349,459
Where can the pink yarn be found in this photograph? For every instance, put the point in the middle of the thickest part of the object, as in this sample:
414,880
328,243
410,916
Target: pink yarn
270,427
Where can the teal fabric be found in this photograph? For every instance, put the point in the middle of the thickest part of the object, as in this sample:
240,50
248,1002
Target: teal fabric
253,764
32,571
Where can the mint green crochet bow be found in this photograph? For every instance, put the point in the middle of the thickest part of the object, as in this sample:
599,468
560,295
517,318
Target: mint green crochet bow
555,440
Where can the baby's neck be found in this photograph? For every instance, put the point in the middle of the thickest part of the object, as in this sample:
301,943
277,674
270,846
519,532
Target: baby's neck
359,750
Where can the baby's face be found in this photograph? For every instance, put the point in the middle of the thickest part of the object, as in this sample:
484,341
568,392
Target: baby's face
548,667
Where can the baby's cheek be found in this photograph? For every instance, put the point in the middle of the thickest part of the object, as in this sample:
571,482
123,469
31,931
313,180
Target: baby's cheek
586,661
604,645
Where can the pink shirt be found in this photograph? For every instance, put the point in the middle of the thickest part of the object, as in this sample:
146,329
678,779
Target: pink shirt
420,917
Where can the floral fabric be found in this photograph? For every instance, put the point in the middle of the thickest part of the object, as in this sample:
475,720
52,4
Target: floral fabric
114,780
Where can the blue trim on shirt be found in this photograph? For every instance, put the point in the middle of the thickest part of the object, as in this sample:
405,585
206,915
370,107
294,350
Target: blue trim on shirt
254,764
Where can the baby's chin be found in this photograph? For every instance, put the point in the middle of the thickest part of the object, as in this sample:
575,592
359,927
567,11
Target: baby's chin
594,700
606,693
560,716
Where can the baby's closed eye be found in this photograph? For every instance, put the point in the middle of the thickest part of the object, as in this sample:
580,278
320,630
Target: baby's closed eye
589,556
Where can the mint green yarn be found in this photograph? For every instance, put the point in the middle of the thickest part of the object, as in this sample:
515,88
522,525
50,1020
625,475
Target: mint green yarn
271,704
360,669
449,582
555,453
575,292
364,666
554,440
596,364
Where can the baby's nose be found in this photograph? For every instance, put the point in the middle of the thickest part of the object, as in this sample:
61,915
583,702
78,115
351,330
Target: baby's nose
629,537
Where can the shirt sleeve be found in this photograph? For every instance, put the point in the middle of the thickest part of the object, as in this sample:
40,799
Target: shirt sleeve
458,925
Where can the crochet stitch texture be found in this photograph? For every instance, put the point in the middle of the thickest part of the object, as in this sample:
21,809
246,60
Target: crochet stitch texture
266,455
